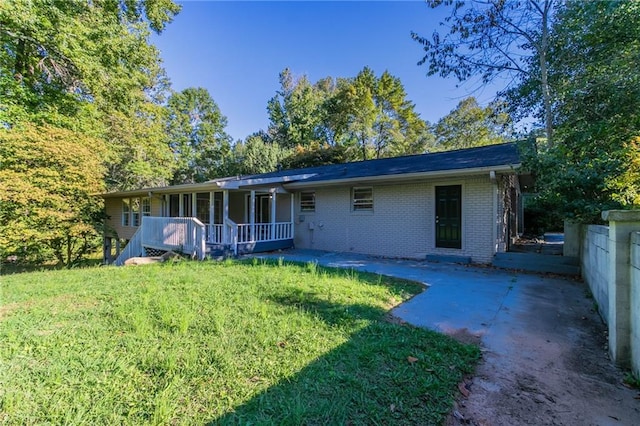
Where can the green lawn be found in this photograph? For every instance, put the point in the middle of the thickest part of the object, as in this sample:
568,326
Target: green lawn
229,343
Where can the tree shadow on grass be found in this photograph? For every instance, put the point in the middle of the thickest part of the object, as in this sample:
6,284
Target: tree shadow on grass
385,373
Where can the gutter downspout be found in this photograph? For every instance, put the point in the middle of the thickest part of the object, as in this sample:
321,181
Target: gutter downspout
494,230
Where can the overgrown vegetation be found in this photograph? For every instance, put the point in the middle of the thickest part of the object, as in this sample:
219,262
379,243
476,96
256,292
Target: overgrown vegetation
572,65
191,343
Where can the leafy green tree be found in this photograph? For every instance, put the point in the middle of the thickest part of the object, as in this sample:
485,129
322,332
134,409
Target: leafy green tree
48,181
295,112
470,125
258,155
196,130
379,118
88,67
495,39
316,156
358,105
139,154
594,72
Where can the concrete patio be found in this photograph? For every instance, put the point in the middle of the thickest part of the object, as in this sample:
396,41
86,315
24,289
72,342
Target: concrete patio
545,358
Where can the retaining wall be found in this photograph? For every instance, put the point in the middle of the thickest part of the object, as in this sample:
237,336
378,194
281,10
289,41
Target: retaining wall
610,264
635,302
594,257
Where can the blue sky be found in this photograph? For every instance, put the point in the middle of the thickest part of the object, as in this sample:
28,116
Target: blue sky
237,49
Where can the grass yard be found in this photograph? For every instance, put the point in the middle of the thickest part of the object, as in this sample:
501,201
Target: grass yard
226,343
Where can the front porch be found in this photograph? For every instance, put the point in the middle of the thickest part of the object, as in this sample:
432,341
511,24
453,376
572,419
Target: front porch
213,224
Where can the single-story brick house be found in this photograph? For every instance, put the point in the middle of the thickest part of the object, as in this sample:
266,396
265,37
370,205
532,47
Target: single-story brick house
463,204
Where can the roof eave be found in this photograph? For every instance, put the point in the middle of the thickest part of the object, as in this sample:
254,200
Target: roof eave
505,168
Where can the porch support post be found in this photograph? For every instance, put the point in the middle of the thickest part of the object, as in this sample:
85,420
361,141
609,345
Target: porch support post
212,211
181,205
495,192
252,214
274,195
293,211
106,251
194,204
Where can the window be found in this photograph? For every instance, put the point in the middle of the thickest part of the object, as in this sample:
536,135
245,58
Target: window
307,201
146,206
125,212
362,199
217,207
174,205
202,206
135,211
186,205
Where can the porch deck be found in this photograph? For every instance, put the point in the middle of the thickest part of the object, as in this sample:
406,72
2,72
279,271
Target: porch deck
189,236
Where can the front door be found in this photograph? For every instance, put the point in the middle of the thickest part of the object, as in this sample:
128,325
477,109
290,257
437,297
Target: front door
449,216
263,208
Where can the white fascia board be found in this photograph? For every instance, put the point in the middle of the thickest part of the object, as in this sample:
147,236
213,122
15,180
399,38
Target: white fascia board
175,189
257,182
510,168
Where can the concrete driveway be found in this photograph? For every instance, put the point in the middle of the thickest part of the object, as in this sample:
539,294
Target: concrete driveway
545,357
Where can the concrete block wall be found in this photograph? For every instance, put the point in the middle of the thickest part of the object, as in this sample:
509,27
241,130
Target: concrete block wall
402,223
635,303
610,261
594,256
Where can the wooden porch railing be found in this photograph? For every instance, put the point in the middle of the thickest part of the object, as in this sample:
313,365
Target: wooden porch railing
243,231
132,249
184,234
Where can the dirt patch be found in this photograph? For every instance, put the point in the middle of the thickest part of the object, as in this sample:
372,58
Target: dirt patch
63,303
550,367
463,335
9,308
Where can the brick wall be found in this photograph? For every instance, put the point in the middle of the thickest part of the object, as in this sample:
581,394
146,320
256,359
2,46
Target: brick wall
402,223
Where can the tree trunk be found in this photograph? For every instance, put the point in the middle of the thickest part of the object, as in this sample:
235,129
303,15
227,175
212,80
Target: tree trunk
544,75
364,148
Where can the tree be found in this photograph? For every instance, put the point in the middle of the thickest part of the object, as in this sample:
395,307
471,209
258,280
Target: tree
257,155
88,67
316,156
359,107
379,118
494,39
49,178
295,112
596,56
366,115
470,125
196,130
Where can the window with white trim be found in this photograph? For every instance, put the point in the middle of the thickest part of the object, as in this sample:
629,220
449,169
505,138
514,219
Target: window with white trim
362,199
126,210
145,208
135,211
308,201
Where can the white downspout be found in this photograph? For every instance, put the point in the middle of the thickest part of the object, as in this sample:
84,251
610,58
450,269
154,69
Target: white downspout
496,222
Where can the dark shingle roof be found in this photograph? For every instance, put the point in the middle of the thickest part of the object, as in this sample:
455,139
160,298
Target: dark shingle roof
472,158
